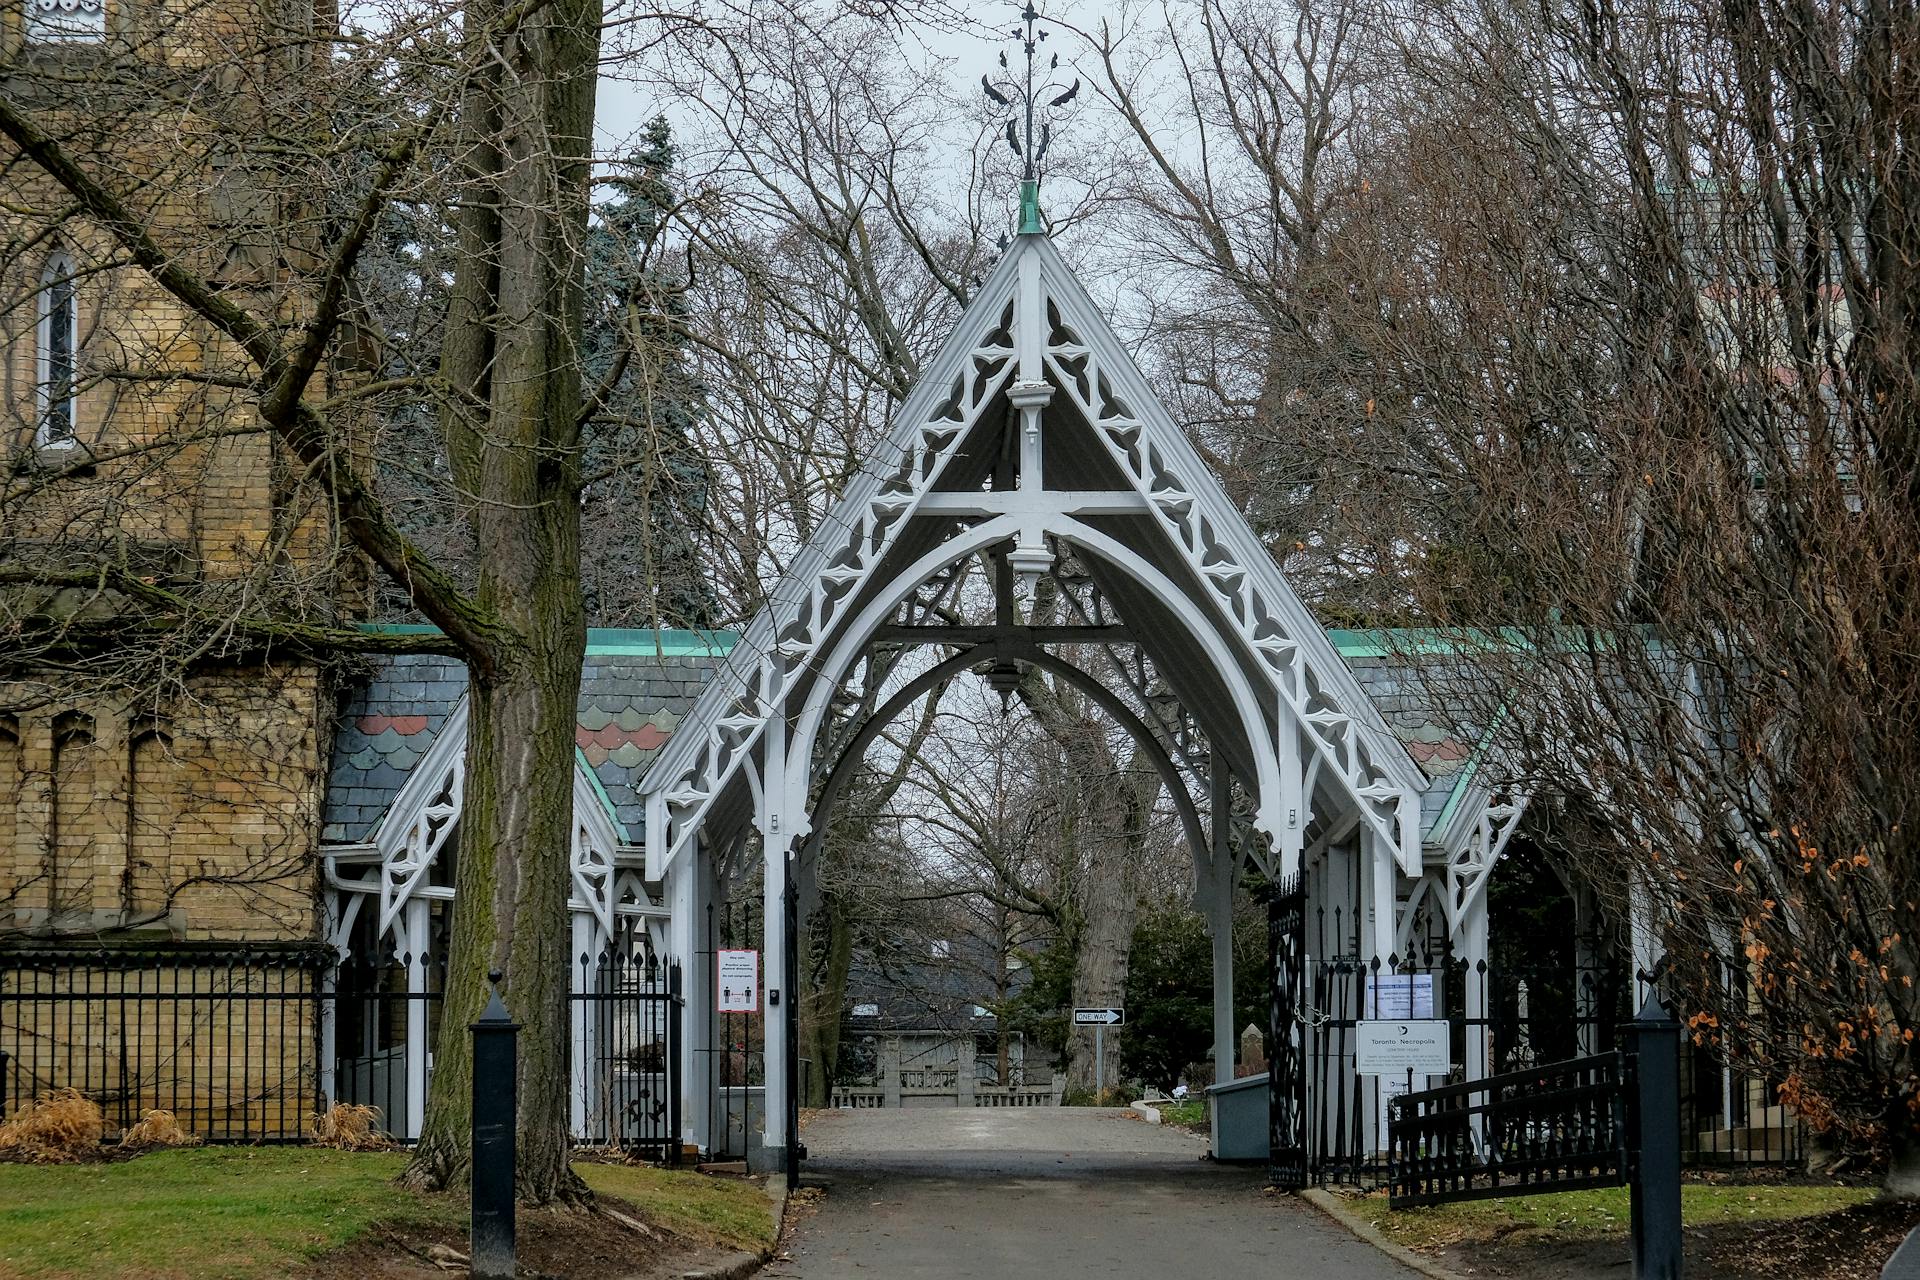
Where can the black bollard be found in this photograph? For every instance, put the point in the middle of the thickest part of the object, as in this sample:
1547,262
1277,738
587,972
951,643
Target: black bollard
495,1067
1653,1038
676,1003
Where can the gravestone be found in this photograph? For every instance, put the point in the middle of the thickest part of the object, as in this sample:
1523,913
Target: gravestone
1253,1054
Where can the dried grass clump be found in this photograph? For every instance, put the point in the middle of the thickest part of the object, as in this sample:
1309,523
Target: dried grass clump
61,1128
348,1126
157,1129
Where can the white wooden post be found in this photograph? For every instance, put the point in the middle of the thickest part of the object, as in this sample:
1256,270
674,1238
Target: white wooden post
418,921
582,970
1647,950
1383,902
779,818
1217,892
687,897
1473,949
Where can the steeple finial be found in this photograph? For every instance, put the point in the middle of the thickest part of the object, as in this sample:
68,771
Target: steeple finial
1029,146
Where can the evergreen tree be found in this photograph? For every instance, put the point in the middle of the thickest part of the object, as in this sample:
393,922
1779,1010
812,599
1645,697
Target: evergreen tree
641,523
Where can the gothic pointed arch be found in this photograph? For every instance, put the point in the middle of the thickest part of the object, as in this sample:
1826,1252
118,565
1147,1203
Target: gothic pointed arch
1034,372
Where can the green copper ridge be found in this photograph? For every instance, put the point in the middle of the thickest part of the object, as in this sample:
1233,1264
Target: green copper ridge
1030,221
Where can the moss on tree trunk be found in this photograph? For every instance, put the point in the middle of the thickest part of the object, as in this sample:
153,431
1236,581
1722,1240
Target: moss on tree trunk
513,347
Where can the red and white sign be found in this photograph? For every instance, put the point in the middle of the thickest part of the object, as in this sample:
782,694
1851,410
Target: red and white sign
738,982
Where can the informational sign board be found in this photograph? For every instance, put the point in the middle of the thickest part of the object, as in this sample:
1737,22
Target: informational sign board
1400,995
738,983
1382,1046
1099,1017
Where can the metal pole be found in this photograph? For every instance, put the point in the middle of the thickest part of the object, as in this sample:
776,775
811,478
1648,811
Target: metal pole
3,1084
1099,1063
495,1066
1653,1038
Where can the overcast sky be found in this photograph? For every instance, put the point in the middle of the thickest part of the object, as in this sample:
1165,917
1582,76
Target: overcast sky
961,50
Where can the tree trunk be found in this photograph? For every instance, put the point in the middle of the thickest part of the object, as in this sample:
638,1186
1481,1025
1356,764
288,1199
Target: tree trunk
820,1020
1100,968
1108,904
513,345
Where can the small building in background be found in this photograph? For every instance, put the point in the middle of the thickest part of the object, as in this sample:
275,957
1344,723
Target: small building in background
923,1033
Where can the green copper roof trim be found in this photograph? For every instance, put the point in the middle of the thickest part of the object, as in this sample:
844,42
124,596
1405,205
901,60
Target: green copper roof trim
1410,642
606,801
1399,642
627,642
1030,221
642,642
1461,782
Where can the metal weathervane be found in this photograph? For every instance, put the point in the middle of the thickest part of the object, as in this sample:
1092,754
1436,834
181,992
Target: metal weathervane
1025,95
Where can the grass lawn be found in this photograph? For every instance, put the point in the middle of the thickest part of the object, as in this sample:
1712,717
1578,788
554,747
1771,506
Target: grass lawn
1583,1215
723,1211
246,1213
1191,1114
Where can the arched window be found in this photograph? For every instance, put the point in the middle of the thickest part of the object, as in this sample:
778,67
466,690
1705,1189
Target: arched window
153,809
56,20
70,830
58,345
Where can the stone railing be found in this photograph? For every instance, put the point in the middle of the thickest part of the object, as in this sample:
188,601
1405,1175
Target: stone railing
862,1097
1018,1095
857,1099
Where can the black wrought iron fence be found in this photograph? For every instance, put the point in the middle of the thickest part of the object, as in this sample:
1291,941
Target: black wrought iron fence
224,1039
248,1045
1730,1116
1555,1127
626,1013
733,1061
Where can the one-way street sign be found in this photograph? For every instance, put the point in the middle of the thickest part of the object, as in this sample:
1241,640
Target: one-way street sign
1099,1017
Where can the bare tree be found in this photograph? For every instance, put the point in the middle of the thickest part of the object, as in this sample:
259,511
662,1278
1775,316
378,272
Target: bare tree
1643,271
214,178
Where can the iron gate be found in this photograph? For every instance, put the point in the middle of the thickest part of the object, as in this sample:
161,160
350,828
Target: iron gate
1287,1072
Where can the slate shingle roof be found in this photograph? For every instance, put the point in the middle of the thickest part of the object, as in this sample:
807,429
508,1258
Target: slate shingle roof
385,727
1410,693
634,691
638,685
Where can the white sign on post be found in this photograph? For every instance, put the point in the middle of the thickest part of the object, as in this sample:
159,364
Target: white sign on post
1400,995
738,984
1385,1046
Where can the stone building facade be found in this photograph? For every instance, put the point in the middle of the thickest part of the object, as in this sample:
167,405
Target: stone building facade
160,785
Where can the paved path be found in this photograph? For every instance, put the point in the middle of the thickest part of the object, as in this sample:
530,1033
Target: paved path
1053,1193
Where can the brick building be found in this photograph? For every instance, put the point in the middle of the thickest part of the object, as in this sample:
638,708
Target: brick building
200,823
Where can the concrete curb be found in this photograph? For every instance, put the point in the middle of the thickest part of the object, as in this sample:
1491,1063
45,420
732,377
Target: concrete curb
734,1267
1145,1112
739,1266
1329,1204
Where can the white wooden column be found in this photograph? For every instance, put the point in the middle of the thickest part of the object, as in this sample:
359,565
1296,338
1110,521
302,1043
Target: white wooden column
1382,900
1216,892
1471,941
418,923
687,897
584,1089
781,815
1644,928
